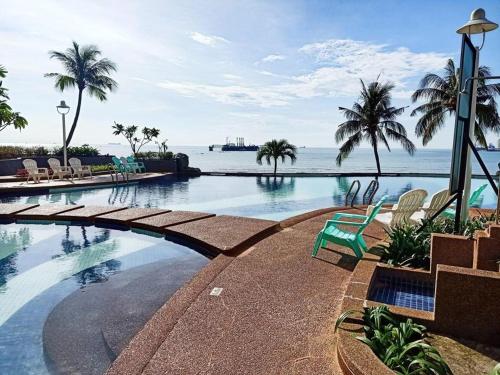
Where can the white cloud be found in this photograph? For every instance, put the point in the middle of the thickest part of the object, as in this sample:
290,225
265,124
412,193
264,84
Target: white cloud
231,77
342,63
208,40
272,58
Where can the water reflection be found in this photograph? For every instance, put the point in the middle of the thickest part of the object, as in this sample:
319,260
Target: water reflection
284,185
10,243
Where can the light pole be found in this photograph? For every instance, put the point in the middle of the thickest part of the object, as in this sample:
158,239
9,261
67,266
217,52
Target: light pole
477,24
63,110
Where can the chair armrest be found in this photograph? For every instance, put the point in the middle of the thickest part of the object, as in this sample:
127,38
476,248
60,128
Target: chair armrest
340,222
339,215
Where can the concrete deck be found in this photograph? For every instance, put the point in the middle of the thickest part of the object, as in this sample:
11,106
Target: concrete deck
275,314
19,188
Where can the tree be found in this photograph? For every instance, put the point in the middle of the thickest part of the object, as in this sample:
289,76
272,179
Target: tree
275,150
129,132
85,71
441,93
8,117
372,119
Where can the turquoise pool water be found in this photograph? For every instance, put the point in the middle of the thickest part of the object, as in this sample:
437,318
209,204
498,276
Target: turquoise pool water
260,197
41,265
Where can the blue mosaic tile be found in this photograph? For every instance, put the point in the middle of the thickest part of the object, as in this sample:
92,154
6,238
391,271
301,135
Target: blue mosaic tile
413,294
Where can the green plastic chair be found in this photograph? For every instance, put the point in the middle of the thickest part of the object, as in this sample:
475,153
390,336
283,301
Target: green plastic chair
138,164
474,200
119,165
353,240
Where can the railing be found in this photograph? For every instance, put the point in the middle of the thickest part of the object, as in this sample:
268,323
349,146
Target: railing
370,192
355,182
113,172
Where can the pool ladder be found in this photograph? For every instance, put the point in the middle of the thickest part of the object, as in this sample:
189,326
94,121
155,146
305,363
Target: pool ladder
368,195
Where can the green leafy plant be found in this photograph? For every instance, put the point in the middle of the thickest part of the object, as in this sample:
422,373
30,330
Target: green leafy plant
12,152
8,117
400,345
130,134
155,155
83,150
409,246
100,168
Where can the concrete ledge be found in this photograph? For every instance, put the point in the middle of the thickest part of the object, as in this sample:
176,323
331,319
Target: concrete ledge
45,212
87,213
168,219
128,215
8,210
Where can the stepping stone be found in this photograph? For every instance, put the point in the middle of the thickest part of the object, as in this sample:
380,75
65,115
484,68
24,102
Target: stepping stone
88,212
223,233
168,219
128,215
8,209
45,212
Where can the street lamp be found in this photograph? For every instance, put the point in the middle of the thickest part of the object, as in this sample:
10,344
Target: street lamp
478,23
63,110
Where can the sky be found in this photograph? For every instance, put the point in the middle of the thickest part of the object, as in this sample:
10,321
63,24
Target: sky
201,71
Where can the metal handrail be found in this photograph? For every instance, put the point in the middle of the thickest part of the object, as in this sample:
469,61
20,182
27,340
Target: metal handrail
355,194
373,185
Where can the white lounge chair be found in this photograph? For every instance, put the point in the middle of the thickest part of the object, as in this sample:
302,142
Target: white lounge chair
430,208
401,212
59,170
79,169
34,172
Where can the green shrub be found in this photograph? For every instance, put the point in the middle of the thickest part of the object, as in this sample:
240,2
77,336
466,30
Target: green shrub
407,246
83,150
100,167
12,152
400,345
155,155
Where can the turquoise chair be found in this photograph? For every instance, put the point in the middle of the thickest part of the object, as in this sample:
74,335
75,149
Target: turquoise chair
119,166
138,164
474,200
353,240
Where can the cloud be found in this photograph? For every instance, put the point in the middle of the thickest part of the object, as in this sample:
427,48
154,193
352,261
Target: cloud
208,40
272,58
337,67
231,77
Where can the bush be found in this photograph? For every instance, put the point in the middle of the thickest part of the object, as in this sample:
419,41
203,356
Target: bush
400,345
83,150
155,155
12,152
409,247
99,168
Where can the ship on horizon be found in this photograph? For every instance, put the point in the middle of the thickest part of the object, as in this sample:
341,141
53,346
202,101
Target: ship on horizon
238,146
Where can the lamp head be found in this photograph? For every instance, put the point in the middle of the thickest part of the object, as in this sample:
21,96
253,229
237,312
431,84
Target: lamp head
63,108
478,23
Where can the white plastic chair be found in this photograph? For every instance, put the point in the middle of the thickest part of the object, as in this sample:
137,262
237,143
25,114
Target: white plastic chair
429,209
58,170
34,172
401,212
79,169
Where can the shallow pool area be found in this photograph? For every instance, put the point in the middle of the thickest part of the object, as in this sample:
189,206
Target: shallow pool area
59,285
260,197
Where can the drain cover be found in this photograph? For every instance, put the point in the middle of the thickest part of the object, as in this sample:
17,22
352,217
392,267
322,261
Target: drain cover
216,292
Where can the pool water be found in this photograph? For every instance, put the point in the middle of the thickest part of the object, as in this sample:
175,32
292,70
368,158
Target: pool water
259,197
41,265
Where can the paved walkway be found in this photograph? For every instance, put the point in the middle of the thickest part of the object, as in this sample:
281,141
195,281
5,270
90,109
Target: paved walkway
275,314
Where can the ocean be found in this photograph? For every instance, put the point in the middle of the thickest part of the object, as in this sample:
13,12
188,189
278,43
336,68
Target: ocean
317,160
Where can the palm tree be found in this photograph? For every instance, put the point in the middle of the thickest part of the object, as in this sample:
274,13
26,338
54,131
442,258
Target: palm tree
372,119
441,96
87,72
276,149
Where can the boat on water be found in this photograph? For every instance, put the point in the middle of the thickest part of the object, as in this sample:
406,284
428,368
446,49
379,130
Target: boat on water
239,145
491,147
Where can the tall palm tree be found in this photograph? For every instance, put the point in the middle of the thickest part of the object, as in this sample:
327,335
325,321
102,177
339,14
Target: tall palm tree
275,150
372,119
85,71
441,93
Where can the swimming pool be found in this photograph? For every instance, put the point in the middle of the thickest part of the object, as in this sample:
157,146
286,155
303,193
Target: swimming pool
259,197
72,296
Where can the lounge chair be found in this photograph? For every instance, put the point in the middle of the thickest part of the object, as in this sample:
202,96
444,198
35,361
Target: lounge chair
58,170
474,201
131,167
429,209
353,240
79,169
140,165
34,172
400,213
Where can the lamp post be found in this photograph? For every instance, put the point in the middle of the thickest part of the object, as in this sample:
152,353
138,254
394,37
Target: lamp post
477,24
63,110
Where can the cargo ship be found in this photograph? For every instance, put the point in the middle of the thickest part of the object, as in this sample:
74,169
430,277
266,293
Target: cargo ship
238,146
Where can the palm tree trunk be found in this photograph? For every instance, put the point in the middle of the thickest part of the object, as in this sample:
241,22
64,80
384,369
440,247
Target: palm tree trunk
377,160
75,120
275,165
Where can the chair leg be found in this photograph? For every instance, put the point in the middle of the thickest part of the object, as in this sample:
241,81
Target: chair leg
317,243
357,250
362,243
